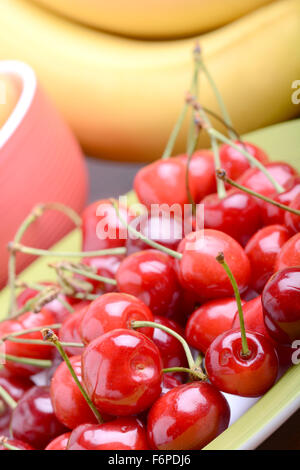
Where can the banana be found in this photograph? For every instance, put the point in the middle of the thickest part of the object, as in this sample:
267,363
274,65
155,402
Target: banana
122,96
154,18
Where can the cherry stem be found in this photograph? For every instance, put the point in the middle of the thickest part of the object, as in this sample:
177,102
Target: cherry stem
15,334
42,342
49,335
27,360
142,237
225,124
6,445
151,324
83,271
171,142
30,219
196,373
190,152
222,175
221,259
7,398
250,158
65,254
77,295
218,96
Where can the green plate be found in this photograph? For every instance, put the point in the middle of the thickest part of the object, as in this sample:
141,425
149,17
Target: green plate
282,142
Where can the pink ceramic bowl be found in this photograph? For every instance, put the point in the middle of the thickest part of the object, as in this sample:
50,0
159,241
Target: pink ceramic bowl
40,161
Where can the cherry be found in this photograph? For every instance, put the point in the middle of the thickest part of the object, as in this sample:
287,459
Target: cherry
150,275
171,351
121,372
292,221
188,417
163,182
169,382
70,331
105,266
26,321
60,442
262,251
289,254
120,434
5,417
271,214
209,321
254,179
201,173
199,271
280,301
21,445
15,386
233,372
235,163
101,228
33,420
222,214
111,311
164,228
68,402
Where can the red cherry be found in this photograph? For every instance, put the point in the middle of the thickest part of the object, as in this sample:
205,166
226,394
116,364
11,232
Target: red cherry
292,221
201,173
271,214
187,417
101,227
15,386
60,442
280,301
222,214
262,251
105,266
235,163
121,372
209,321
254,179
68,402
70,332
163,182
112,311
27,321
33,420
162,228
120,434
21,445
289,254
198,270
150,275
169,382
5,417
234,373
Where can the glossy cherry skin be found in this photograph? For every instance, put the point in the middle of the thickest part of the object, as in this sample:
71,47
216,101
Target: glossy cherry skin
70,332
187,417
26,321
15,386
111,311
230,372
120,434
21,445
34,421
162,228
271,214
280,301
222,214
235,163
201,173
101,227
262,250
163,182
68,402
60,442
105,266
121,372
169,382
289,254
150,275
198,270
209,321
257,181
292,221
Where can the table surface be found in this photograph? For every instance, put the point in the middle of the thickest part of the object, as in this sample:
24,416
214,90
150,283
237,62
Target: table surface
110,179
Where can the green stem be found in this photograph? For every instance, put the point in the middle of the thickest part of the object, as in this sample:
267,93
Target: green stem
197,373
42,342
54,326
191,150
7,398
49,335
67,254
89,274
142,237
143,324
245,349
218,135
8,446
27,360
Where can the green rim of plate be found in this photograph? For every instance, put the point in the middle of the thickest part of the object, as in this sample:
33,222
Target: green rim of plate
282,143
